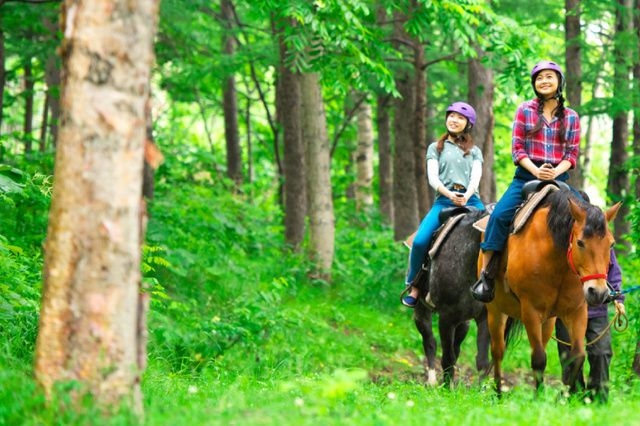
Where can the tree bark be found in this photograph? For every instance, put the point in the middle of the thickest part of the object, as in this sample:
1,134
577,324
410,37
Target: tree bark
90,318
321,216
385,162
405,194
52,78
364,157
618,182
420,129
573,40
481,90
230,102
636,143
43,128
636,103
289,113
28,107
3,77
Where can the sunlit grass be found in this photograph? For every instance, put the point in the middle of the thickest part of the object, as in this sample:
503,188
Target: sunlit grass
240,336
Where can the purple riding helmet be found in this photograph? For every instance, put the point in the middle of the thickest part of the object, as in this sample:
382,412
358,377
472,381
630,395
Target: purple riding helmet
464,109
547,65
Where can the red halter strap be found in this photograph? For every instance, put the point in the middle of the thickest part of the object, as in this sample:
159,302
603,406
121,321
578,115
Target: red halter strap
573,266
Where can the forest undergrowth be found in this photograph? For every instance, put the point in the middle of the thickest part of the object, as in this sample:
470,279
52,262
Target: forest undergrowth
239,334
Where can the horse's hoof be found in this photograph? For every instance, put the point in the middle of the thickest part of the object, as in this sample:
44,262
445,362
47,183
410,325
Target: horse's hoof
432,379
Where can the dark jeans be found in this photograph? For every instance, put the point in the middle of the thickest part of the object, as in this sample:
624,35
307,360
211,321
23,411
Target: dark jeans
598,354
499,223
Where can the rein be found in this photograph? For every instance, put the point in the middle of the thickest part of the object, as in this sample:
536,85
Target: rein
619,322
583,278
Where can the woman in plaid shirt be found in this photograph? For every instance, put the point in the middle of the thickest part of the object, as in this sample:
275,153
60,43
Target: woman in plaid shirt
545,143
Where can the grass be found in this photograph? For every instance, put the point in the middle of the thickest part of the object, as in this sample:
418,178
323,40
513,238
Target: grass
240,336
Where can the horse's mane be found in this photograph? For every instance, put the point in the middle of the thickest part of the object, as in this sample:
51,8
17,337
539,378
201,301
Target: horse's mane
560,221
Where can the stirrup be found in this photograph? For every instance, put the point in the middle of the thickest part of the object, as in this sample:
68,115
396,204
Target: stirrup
483,289
429,302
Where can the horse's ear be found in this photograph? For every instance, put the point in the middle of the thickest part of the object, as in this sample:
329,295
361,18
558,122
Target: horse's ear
576,211
612,211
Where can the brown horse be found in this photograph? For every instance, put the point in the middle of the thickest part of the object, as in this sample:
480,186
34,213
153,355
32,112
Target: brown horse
553,267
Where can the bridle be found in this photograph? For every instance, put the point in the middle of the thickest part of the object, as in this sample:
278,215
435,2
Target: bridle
572,265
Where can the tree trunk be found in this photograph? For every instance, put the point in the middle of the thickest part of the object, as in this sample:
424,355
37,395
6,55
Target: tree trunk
3,77
289,113
385,169
635,366
618,183
636,104
52,78
364,157
481,89
573,40
405,194
28,107
230,102
430,133
383,124
43,128
321,217
420,129
90,318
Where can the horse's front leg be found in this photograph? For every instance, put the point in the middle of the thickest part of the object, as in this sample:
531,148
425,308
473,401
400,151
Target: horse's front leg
451,337
424,324
449,355
483,340
497,322
533,324
577,328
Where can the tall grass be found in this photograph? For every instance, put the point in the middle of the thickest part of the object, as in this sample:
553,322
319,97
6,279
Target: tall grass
238,334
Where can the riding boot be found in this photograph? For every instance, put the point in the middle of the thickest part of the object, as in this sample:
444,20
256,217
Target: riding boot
483,289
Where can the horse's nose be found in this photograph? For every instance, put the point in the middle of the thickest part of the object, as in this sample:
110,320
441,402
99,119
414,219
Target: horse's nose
594,294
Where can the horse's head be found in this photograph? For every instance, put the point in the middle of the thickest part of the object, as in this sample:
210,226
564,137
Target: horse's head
589,249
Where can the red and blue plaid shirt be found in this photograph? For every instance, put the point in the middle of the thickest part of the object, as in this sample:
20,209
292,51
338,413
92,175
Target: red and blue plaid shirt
544,146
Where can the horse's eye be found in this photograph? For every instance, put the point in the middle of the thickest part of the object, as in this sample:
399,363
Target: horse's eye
580,243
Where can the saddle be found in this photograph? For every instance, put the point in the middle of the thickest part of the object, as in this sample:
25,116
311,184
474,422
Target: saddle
533,192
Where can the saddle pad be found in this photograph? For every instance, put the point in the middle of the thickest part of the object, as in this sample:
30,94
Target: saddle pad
442,233
481,224
524,212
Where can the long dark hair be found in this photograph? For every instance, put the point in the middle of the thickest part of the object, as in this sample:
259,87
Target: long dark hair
464,140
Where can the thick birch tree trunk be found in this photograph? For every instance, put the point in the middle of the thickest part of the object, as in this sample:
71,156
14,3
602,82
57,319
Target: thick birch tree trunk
321,217
91,309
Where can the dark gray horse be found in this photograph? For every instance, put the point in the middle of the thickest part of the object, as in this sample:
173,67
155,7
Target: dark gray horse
448,278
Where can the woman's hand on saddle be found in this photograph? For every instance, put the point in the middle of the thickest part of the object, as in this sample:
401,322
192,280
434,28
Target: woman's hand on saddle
546,172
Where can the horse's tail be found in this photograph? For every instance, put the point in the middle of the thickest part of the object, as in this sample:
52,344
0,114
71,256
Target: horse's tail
513,330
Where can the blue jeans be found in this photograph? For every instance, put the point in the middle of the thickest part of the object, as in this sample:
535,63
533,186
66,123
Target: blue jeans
428,226
497,232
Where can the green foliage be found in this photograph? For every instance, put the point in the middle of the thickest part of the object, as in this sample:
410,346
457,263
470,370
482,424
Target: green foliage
238,334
